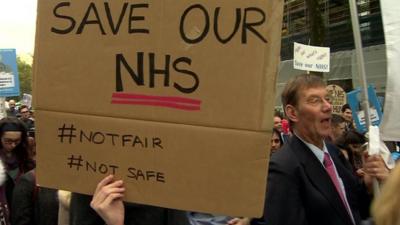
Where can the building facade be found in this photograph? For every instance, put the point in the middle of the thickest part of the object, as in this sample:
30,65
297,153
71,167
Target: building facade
339,37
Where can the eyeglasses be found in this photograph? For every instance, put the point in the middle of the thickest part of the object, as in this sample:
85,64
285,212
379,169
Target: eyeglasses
10,141
315,100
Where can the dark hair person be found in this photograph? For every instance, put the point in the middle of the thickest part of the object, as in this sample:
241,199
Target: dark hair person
13,154
276,140
352,144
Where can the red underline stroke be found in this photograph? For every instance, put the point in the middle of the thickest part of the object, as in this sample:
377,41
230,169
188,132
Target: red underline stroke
157,103
133,96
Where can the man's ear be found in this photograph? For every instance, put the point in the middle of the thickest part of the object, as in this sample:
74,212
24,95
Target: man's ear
291,113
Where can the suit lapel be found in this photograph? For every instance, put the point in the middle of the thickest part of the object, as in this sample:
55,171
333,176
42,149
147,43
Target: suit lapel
319,177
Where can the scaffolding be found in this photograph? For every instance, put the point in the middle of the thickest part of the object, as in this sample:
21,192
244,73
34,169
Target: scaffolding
336,16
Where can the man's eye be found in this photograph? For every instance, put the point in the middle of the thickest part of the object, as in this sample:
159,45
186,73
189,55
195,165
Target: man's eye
328,99
315,100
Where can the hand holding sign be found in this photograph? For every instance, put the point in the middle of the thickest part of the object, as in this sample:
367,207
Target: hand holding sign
107,201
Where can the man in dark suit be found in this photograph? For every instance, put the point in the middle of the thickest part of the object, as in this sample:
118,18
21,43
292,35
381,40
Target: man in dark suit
307,183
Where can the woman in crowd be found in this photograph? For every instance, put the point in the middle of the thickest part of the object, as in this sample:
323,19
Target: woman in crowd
276,140
14,156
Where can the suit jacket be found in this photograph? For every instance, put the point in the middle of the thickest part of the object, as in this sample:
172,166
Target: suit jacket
300,191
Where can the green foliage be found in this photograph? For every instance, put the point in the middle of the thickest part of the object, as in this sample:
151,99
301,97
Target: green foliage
25,76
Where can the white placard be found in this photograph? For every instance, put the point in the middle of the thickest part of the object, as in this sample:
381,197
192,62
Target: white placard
311,58
6,80
391,24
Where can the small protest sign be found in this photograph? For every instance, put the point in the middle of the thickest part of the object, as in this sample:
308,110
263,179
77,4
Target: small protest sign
375,109
9,80
338,97
311,58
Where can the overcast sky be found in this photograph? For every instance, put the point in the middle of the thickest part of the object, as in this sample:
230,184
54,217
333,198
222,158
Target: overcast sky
17,25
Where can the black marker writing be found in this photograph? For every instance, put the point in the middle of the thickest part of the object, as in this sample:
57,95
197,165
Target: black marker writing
68,132
75,161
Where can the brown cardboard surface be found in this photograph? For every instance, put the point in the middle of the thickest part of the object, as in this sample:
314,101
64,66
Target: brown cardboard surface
78,71
203,169
214,112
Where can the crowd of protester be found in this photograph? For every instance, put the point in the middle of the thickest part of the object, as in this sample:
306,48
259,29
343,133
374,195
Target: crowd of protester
319,173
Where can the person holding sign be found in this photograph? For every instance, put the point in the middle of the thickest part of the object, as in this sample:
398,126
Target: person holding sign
136,214
106,206
107,201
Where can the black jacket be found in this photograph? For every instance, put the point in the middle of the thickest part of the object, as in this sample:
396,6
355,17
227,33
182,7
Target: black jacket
300,191
33,205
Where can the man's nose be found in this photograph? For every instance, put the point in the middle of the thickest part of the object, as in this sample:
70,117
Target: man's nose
13,144
327,106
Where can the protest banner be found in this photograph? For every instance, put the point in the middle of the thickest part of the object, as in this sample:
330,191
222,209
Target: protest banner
391,25
311,58
338,97
173,97
375,108
9,80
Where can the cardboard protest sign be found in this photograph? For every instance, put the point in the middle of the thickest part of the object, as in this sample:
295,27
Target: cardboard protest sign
9,79
375,109
311,58
338,97
174,97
